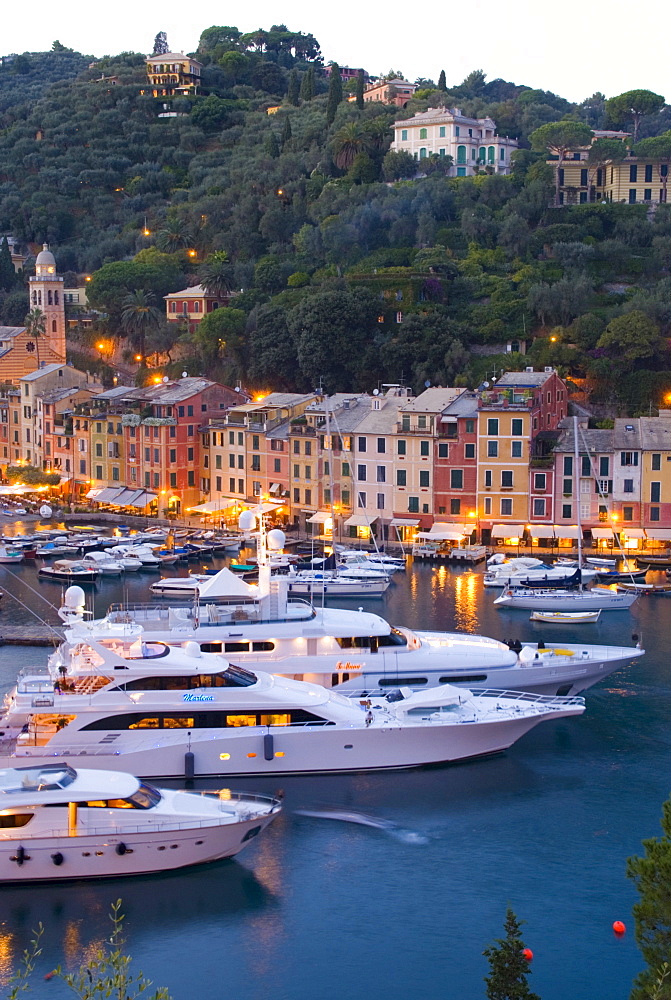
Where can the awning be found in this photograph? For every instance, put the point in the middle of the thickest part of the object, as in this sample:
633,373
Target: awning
659,534
600,533
507,531
441,536
135,498
633,532
360,520
108,494
320,517
404,522
542,531
93,494
213,506
275,487
565,530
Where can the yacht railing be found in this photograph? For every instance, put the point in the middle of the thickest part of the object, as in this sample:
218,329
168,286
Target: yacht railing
208,613
147,828
527,696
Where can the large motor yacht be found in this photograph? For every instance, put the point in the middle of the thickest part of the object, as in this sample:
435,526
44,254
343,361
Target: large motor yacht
60,823
151,709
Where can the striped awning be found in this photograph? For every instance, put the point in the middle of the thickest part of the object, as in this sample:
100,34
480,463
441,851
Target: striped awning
404,522
507,531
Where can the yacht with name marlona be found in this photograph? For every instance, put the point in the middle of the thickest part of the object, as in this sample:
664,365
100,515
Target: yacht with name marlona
159,711
58,822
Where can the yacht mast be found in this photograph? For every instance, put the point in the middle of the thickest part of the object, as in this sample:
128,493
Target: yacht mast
576,491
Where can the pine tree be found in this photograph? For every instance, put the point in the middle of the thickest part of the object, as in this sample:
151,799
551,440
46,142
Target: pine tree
508,968
652,914
271,145
293,89
442,84
359,90
161,44
307,91
7,272
335,93
286,132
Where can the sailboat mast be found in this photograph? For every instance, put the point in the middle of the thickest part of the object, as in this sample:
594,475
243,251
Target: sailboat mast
576,489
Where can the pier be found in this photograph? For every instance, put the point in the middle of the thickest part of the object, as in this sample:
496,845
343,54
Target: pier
30,635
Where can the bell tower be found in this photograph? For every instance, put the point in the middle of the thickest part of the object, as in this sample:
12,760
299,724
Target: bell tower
46,294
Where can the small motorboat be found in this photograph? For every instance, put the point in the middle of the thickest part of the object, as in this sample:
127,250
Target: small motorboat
614,575
654,562
103,562
69,569
61,823
646,588
11,555
599,561
565,617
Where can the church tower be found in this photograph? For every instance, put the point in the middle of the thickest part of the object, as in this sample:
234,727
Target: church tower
46,294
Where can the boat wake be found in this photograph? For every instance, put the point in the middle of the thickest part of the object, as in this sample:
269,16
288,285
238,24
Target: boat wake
388,826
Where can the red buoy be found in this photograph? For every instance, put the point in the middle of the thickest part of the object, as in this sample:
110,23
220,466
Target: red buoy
528,954
619,928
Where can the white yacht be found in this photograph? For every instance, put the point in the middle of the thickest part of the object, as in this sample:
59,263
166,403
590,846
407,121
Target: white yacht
376,560
149,709
61,823
596,599
103,562
203,586
518,572
337,583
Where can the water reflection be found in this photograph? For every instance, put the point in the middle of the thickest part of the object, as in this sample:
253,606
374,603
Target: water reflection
466,602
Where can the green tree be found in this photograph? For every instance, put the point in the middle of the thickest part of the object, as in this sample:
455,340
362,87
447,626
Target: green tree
348,142
293,89
286,133
268,274
634,339
139,317
216,274
442,83
175,235
219,335
399,165
657,148
36,328
271,145
651,874
161,44
603,151
307,91
363,170
150,269
7,272
508,968
360,86
632,106
335,93
210,113
272,350
559,138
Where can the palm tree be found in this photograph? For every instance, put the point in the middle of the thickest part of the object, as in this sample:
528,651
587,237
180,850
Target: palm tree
36,327
139,317
377,131
174,236
348,142
216,274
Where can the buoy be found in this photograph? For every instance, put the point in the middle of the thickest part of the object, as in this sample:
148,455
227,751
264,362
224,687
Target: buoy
49,975
528,954
619,928
189,764
57,858
268,748
121,848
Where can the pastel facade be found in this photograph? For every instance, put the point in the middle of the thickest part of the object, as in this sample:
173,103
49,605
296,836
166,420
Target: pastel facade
396,91
191,305
473,143
173,73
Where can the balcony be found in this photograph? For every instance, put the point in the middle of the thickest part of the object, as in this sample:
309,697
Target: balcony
422,431
541,462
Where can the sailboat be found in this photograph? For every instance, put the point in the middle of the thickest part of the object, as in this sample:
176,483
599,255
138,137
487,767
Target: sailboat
599,598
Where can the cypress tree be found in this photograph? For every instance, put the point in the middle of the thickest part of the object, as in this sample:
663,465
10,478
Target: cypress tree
359,90
271,146
508,968
7,272
442,84
286,132
652,912
307,91
294,87
335,93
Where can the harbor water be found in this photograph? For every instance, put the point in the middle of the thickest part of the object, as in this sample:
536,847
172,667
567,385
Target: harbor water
321,909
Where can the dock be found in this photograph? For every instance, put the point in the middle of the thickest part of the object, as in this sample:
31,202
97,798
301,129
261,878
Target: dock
30,635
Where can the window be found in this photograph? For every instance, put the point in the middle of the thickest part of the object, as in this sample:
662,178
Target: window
99,471
539,481
627,513
488,478
82,467
492,426
231,461
455,506
380,501
241,438
217,461
655,492
231,485
401,477
469,451
604,466
567,511
441,132
539,507
381,474
422,152
361,473
488,505
191,478
345,469
308,447
656,463
456,479
99,450
586,466
583,177
404,135
413,505
381,446
173,481
647,194
506,480
492,449
470,426
443,451
654,513
231,436
567,486
633,173
648,173
361,444
277,465
256,463
173,455
422,133
517,425
400,447
461,153
516,449
632,196
297,447
297,496
506,507
308,472
361,499
241,461
345,497
424,478
629,486
424,449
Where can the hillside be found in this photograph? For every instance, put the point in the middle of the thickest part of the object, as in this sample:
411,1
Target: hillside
349,271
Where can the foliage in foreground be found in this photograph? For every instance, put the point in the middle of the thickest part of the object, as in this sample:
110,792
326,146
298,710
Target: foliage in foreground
107,974
508,968
651,874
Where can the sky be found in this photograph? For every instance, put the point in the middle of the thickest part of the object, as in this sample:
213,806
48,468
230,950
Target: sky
573,48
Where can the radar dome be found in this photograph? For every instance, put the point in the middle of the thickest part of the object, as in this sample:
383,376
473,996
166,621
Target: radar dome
247,521
276,539
74,597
